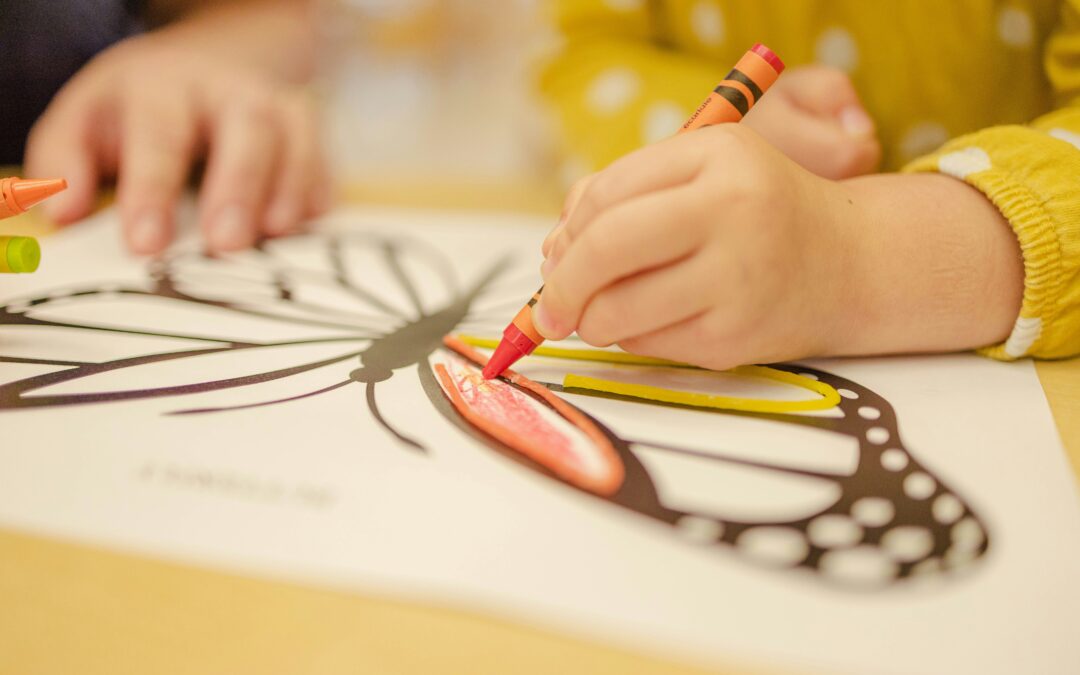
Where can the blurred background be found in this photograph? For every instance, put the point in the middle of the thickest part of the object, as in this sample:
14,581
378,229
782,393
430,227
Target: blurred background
439,94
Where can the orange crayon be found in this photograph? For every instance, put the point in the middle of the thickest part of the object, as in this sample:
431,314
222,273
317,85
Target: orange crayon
18,195
743,87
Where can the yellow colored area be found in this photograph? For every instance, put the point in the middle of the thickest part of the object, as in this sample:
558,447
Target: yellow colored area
829,396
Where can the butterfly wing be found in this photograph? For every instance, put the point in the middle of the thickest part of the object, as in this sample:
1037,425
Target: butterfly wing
835,493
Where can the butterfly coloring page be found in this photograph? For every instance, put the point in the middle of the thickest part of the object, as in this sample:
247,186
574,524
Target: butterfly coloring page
280,411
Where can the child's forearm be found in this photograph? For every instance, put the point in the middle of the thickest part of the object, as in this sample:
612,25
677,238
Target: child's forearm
935,267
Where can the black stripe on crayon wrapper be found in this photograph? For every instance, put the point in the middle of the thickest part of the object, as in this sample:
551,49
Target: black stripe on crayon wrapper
735,97
740,77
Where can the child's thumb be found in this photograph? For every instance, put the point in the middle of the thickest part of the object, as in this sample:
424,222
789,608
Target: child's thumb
828,92
831,149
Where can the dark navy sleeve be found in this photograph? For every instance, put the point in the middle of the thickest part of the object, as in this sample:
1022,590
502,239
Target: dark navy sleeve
42,44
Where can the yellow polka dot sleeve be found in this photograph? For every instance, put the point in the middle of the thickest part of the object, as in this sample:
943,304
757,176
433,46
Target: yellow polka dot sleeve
612,87
1032,174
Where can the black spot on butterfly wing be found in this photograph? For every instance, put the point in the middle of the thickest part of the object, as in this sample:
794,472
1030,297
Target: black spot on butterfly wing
880,497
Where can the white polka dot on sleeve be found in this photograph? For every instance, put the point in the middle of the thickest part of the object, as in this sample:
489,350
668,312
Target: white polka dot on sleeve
1069,137
835,47
963,163
1024,334
661,120
922,138
1015,28
612,91
708,23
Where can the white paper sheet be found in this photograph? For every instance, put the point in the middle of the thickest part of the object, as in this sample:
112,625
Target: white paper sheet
315,489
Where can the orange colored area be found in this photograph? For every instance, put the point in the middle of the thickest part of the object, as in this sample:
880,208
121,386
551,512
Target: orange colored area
715,110
523,321
743,89
18,195
521,429
758,69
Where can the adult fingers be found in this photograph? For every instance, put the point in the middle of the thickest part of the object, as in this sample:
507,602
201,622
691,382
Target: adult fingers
302,176
63,144
244,152
160,132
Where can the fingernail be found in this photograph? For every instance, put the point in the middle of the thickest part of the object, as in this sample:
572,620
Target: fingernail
232,230
147,233
542,322
855,122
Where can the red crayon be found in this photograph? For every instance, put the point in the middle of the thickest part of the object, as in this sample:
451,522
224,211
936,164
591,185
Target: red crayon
744,86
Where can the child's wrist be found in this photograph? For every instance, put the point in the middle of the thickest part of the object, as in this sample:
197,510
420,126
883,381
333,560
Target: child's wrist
936,267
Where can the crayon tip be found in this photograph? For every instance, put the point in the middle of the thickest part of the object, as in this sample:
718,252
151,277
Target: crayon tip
23,255
505,356
29,193
769,56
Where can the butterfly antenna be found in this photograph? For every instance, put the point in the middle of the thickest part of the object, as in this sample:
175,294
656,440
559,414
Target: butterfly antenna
373,406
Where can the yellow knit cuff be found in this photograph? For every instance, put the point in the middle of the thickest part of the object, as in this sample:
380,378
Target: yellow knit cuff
988,160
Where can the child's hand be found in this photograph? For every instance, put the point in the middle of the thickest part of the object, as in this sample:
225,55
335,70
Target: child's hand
715,249
814,116
150,108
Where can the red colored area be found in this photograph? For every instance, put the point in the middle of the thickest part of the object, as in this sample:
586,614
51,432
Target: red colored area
514,345
498,409
503,405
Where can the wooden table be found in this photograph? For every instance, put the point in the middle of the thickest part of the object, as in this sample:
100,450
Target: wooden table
70,608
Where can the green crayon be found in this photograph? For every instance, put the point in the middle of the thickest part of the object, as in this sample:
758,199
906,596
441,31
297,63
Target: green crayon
19,255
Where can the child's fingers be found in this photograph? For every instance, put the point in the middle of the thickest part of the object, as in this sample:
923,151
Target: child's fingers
243,158
829,95
821,90
647,302
625,240
302,172
572,197
159,137
819,144
692,340
62,145
656,167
